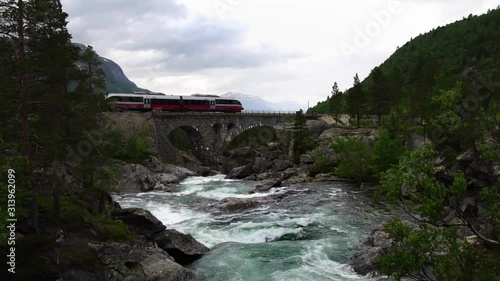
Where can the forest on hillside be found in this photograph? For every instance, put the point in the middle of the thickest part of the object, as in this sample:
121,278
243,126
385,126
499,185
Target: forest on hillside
467,50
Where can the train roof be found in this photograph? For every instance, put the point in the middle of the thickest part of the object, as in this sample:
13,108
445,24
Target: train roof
203,97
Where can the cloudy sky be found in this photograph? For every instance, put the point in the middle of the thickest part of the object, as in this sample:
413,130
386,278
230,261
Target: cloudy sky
276,49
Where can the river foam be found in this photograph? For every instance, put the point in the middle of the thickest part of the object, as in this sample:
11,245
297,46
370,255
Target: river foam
309,235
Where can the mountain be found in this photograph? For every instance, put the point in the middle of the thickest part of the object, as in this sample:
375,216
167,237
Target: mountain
439,58
471,43
116,79
257,103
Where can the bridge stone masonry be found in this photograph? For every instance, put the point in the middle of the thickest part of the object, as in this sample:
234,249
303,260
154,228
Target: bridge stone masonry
210,133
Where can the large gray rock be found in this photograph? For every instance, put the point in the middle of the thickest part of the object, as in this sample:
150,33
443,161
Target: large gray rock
139,221
182,247
367,135
262,165
229,205
372,247
241,172
267,184
480,174
140,262
239,157
137,178
155,165
316,127
328,177
306,159
281,165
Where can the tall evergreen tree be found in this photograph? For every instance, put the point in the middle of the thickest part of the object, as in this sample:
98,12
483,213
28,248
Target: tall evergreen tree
378,94
42,65
16,96
356,99
302,142
336,102
420,100
95,79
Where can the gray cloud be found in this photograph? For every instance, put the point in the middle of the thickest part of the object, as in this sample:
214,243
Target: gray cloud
179,43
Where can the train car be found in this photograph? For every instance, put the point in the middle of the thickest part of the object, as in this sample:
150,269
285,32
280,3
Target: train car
161,102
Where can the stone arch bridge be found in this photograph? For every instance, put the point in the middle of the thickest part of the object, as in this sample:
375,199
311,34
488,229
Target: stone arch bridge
210,133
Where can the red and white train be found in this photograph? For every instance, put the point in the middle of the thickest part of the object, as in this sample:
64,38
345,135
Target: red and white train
140,101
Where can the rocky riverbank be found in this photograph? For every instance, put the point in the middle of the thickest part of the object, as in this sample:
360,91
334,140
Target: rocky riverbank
155,253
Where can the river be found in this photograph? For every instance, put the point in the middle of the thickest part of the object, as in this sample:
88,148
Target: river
308,233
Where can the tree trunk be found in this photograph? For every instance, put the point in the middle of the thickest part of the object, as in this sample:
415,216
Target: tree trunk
24,123
23,113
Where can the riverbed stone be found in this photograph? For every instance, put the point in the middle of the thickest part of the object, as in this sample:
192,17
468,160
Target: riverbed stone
241,172
281,165
231,204
267,184
137,178
141,262
306,159
262,164
182,247
371,248
139,221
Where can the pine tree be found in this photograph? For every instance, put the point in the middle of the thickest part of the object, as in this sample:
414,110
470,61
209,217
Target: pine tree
44,66
301,139
336,102
94,76
16,95
378,94
356,99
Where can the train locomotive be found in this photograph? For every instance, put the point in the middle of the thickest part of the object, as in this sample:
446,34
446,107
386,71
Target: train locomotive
139,101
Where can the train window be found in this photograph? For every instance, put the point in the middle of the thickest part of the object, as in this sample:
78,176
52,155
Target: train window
227,102
131,99
165,101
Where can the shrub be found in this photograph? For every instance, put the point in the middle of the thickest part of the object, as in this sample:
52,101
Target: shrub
135,147
355,159
385,153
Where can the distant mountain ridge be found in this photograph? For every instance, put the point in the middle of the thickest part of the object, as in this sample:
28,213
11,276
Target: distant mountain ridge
251,102
116,79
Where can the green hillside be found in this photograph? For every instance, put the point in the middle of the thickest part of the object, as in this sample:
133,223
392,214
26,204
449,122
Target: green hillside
471,43
426,65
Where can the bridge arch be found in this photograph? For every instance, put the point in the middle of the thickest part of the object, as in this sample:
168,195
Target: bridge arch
187,138
253,136
209,134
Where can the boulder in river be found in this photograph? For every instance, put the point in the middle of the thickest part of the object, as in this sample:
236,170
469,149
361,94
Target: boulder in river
281,165
229,205
262,164
140,262
139,221
372,247
182,247
265,185
137,178
241,172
